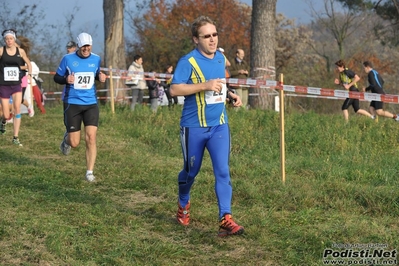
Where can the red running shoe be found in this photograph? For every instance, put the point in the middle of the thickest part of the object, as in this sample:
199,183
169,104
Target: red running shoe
183,214
228,227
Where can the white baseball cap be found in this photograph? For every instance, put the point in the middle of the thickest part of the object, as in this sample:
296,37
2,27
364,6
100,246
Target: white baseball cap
84,39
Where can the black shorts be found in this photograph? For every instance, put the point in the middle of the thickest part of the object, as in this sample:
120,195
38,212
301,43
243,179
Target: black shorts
75,114
376,104
348,102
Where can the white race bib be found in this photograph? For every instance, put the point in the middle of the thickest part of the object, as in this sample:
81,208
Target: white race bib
212,97
11,74
83,80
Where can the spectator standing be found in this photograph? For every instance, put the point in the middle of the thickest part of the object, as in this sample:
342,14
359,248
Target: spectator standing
376,86
166,85
153,92
161,93
11,58
24,43
37,94
78,72
138,84
71,47
239,69
228,64
24,101
348,79
200,77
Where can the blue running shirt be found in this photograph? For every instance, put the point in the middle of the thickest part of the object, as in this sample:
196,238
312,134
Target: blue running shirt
83,91
205,108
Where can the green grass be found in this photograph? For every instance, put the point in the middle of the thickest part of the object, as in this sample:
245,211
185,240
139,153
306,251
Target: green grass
341,187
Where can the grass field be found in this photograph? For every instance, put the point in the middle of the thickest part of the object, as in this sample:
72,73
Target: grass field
341,187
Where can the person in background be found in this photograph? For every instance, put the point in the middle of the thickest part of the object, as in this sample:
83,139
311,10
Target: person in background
161,93
139,84
37,94
376,86
200,78
78,72
348,79
24,84
239,69
24,80
228,64
153,92
166,85
71,47
11,60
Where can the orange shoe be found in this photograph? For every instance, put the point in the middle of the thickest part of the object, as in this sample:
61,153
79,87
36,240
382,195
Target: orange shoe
228,227
183,214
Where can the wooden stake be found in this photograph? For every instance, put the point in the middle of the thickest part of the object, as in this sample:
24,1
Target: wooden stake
111,87
282,136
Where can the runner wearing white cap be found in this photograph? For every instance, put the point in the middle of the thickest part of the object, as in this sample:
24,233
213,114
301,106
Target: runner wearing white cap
78,72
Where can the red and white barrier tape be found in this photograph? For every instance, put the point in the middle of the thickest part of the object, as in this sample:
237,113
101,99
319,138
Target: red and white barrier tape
388,98
262,83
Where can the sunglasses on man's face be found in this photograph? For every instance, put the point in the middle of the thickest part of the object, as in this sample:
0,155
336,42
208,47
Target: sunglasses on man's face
207,36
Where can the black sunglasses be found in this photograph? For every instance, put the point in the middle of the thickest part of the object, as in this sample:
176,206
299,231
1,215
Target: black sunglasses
209,35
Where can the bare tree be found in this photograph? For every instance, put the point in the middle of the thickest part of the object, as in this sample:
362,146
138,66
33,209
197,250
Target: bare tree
69,22
114,39
263,46
336,22
294,57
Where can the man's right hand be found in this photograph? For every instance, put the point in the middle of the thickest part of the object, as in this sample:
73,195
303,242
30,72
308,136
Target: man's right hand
215,85
71,78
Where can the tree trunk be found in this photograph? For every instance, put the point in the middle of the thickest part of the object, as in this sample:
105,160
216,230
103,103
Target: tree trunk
262,48
114,42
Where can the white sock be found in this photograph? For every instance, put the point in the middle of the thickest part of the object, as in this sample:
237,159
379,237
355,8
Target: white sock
89,172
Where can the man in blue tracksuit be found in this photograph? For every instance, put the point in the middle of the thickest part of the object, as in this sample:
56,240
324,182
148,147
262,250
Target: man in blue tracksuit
200,77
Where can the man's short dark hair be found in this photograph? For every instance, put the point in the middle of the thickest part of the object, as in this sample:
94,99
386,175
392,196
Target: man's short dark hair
367,64
199,22
340,63
71,44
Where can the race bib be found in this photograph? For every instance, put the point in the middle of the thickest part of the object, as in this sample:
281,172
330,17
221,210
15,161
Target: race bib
11,74
83,80
212,97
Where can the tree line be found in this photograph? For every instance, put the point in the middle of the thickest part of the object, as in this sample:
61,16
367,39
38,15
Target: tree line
159,30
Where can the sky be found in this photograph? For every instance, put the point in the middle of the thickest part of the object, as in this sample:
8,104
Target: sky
90,12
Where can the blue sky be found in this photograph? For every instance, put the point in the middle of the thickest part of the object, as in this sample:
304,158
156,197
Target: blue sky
90,12
57,10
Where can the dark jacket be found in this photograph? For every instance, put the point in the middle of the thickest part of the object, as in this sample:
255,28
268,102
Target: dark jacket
375,82
153,88
236,66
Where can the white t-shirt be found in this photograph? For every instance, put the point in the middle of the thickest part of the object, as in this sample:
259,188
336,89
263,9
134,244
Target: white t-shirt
35,73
